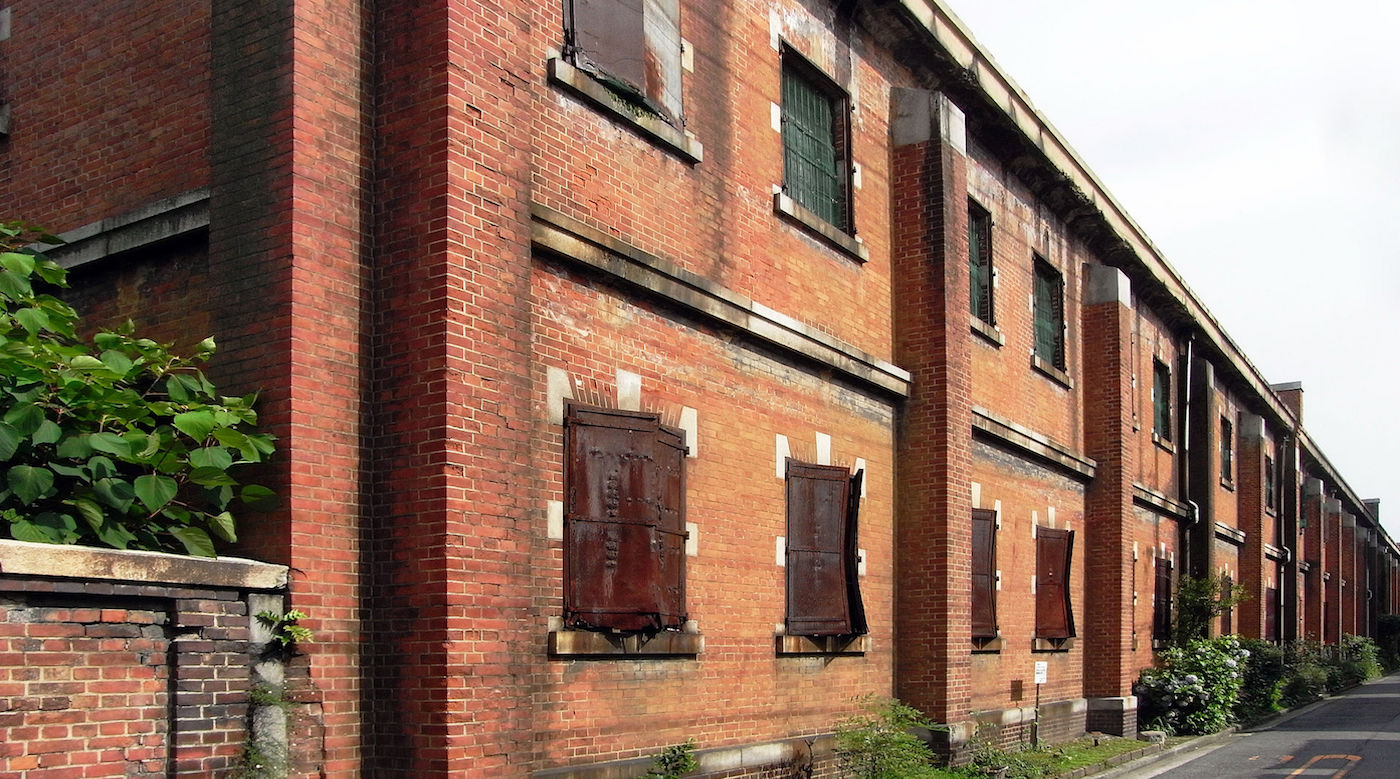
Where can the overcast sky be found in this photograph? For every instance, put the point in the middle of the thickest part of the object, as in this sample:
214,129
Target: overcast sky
1258,145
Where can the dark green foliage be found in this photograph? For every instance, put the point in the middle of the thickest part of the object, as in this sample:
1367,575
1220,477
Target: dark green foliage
1388,639
674,762
116,443
883,743
1264,681
1198,602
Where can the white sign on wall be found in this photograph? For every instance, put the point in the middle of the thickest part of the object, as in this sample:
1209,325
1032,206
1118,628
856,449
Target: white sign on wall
1042,671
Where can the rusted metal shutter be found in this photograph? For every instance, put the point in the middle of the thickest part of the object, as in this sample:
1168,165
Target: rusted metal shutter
823,596
853,600
634,44
1162,601
1227,619
984,585
1054,551
624,538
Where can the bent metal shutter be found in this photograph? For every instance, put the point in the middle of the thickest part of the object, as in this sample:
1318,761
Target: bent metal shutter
984,589
1053,554
823,594
624,535
635,42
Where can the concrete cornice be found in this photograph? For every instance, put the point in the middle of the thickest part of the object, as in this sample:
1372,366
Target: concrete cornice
1030,442
148,224
22,558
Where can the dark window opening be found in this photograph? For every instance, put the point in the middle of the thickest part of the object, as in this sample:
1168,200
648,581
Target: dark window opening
1271,620
823,588
1049,314
816,142
1227,450
1270,485
979,260
1162,400
1162,600
984,575
1227,619
624,532
1054,616
632,47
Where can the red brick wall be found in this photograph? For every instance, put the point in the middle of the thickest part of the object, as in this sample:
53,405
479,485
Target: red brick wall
109,107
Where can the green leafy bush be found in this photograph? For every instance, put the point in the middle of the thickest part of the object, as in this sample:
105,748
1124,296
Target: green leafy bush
1358,660
1265,675
883,743
674,762
1198,602
1388,639
1194,688
116,443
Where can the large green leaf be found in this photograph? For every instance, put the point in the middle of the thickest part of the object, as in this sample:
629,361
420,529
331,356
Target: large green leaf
26,417
48,433
195,424
211,457
28,482
13,286
9,440
86,362
196,541
111,443
75,447
100,467
89,511
222,525
116,361
211,477
255,493
116,493
154,491
32,320
17,263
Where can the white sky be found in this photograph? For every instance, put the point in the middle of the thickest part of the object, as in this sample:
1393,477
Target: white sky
1258,144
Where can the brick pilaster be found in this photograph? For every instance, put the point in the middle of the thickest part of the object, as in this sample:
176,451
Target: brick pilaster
1249,486
1108,439
934,536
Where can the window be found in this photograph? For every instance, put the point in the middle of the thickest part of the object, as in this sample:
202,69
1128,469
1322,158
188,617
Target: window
632,47
1162,600
816,142
1271,620
1227,451
979,260
1227,618
1161,400
1270,485
624,533
1054,549
984,575
823,588
1049,314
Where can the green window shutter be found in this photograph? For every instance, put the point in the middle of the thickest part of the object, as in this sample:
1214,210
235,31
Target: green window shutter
814,154
1162,400
1049,314
979,260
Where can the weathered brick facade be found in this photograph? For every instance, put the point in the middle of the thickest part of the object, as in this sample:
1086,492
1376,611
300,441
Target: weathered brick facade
423,230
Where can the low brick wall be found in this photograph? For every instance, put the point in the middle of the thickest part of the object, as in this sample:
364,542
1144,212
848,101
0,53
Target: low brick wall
116,664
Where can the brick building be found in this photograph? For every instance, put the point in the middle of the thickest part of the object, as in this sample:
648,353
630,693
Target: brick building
644,373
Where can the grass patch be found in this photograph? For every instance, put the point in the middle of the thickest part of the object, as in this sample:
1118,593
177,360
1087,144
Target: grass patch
1046,761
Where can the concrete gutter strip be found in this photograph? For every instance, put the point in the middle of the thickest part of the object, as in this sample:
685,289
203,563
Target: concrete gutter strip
22,558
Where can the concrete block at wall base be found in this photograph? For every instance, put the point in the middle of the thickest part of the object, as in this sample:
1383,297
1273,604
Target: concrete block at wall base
1116,716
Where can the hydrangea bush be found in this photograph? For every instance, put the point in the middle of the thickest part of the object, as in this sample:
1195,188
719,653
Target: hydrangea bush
1194,688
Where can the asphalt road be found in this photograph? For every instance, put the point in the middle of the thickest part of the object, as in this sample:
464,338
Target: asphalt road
1354,735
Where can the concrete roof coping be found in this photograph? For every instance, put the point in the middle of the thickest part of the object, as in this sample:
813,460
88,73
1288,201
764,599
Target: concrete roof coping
80,562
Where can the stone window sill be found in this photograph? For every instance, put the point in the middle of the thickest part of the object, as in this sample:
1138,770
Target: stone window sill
1051,372
988,331
1163,443
652,128
804,217
821,645
1052,644
1228,484
588,643
986,646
